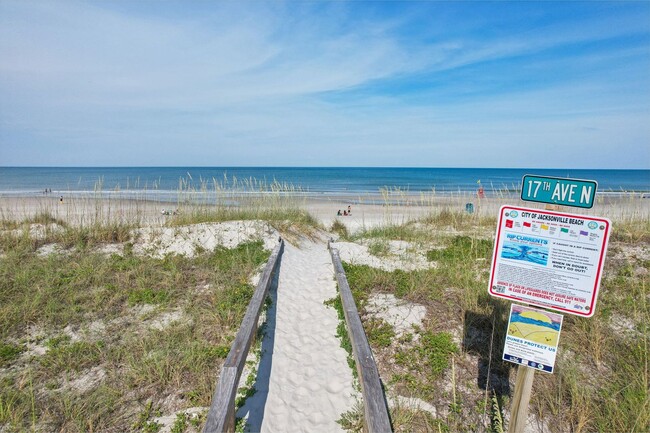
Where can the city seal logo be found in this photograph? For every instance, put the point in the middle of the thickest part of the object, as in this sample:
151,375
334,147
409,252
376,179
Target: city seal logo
593,225
514,214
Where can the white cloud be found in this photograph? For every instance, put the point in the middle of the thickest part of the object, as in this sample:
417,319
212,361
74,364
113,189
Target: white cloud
252,85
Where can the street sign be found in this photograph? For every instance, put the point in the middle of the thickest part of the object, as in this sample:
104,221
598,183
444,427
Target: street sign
549,259
532,337
560,191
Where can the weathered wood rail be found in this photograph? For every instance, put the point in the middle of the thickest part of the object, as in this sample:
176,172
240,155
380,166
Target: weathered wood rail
221,416
376,418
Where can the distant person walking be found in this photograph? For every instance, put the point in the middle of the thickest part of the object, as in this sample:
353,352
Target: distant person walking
61,199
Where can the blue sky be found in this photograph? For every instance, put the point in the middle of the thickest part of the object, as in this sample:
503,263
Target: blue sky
414,84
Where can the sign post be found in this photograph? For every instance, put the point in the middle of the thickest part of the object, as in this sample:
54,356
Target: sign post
548,259
531,342
519,408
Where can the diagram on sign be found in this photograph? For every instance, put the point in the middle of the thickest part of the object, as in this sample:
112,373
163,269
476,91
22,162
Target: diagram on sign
533,337
533,325
526,251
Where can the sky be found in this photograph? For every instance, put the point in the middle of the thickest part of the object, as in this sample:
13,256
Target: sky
297,83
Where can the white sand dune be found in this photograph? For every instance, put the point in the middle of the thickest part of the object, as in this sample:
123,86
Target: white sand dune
304,383
398,258
400,314
187,240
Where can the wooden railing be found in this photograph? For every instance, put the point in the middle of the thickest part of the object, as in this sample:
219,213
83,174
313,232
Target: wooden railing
376,419
221,416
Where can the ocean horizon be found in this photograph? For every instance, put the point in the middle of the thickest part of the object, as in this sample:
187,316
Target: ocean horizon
30,181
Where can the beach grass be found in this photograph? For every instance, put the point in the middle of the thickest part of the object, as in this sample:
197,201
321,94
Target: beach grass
601,377
97,342
280,204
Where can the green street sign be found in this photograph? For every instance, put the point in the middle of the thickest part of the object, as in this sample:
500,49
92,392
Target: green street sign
560,191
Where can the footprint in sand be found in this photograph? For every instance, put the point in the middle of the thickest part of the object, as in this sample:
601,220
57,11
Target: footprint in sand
313,386
335,386
295,379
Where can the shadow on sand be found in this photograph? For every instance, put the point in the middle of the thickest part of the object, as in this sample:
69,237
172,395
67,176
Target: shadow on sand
481,329
254,406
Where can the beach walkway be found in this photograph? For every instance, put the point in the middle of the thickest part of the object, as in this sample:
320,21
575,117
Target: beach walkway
304,383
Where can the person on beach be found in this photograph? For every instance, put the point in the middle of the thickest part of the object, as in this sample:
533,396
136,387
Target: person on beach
345,213
61,199
480,193
338,213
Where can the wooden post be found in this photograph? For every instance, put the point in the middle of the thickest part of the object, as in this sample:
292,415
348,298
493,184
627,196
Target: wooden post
554,207
376,419
221,415
519,407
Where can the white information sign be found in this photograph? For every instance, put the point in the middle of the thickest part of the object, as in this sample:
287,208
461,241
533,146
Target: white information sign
549,259
532,337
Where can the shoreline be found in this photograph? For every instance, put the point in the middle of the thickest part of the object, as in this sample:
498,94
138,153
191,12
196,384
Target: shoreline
367,211
162,195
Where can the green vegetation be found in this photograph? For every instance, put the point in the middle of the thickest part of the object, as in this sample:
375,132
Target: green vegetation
122,338
97,342
463,248
72,357
379,332
290,222
342,333
340,229
278,204
602,378
379,248
605,384
406,232
428,229
144,422
432,353
9,352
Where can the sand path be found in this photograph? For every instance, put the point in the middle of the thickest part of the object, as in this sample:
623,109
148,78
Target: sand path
304,383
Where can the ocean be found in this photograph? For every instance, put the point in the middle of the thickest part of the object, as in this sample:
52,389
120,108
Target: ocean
162,181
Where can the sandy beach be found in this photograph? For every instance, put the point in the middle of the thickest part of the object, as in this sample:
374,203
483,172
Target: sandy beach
367,211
